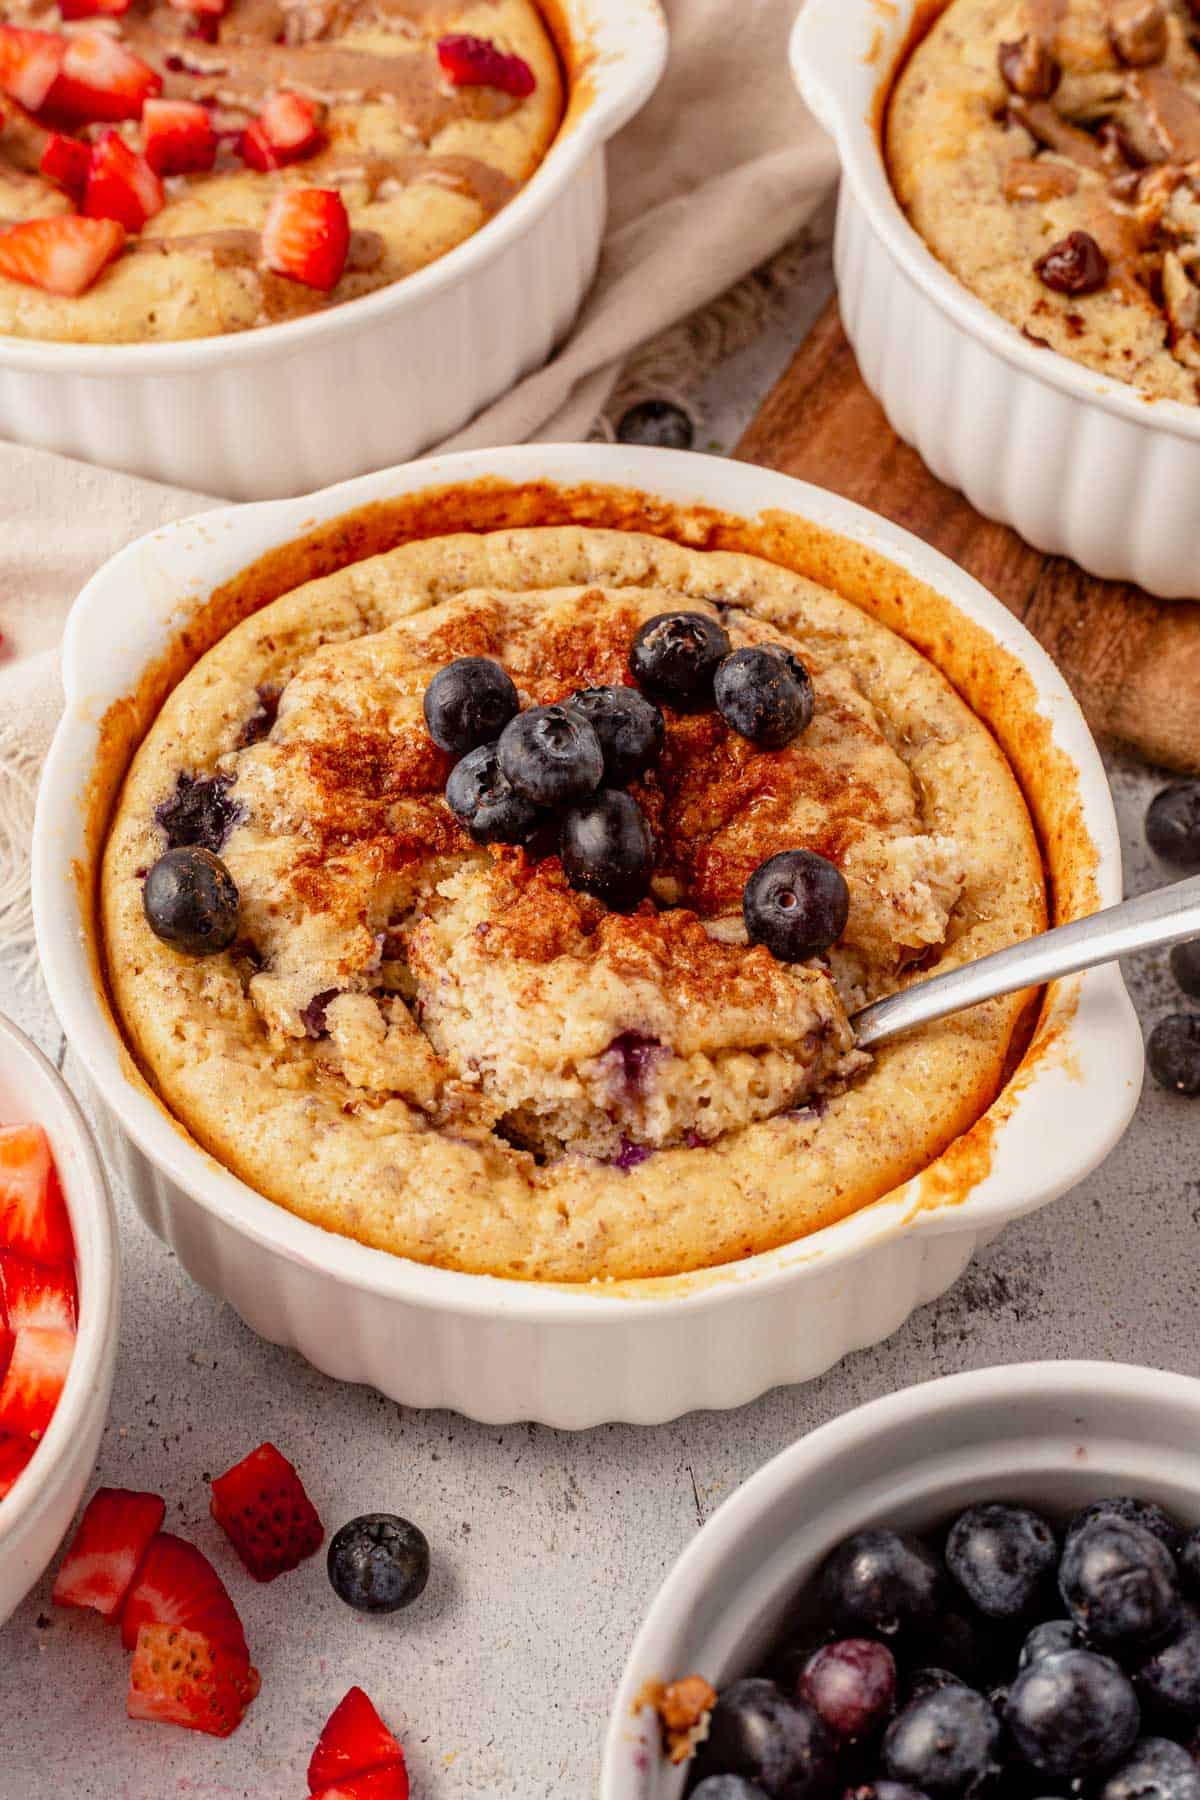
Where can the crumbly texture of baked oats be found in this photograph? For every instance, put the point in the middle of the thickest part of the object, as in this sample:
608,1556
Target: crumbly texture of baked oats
447,1051
419,162
1048,151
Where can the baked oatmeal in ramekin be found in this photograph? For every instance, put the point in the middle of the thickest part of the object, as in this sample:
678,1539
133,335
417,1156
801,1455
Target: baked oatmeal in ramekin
469,1053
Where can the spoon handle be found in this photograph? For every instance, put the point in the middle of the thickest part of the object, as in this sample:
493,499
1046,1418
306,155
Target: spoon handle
1167,916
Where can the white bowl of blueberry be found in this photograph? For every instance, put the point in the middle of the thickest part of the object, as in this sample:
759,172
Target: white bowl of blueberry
986,1586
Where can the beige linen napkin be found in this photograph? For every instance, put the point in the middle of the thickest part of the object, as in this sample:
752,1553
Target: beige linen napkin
720,169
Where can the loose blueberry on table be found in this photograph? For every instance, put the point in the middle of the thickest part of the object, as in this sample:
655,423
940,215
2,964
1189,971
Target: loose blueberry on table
1086,1680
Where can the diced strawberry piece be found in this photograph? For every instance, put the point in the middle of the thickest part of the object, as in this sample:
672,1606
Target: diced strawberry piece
66,160
477,62
121,184
178,136
292,124
38,1293
306,236
178,1677
64,255
34,1379
213,9
354,1742
101,80
255,149
381,1784
91,9
177,1585
15,1453
33,1214
29,63
270,1520
106,1552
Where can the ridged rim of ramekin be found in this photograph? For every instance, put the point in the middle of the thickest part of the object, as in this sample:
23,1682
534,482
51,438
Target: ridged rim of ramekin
909,1414
623,51
842,56
24,1069
162,577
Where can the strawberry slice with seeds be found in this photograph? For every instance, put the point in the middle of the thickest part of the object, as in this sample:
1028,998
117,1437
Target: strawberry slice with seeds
33,1381
178,137
177,1585
179,1677
261,1505
355,1742
63,255
15,1453
66,160
212,9
306,236
292,124
380,1784
256,150
100,80
93,9
33,1214
38,1293
105,1554
121,185
29,63
477,62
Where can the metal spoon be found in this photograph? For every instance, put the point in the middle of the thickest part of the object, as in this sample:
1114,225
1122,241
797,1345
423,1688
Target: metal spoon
1168,916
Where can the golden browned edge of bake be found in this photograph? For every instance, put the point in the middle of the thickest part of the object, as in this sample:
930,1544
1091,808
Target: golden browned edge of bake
925,16
990,679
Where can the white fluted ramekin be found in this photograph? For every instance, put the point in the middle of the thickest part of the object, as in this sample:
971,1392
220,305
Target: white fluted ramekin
294,406
35,1514
501,1350
1080,465
1054,1435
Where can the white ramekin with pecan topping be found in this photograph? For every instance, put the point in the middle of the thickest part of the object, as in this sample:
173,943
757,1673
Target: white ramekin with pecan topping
575,1354
1079,463
290,406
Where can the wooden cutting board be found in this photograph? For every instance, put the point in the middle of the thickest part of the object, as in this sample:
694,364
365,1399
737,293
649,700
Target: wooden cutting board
1133,662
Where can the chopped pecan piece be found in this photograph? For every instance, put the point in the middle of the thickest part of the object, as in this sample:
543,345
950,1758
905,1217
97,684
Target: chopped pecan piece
1181,296
1028,68
1138,29
1037,178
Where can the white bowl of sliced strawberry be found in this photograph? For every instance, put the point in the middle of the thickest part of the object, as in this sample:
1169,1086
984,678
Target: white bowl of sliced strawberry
58,1311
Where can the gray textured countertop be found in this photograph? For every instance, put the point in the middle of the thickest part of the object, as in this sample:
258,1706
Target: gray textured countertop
547,1546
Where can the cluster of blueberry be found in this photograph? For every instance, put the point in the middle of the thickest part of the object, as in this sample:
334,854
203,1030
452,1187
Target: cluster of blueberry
1011,1665
565,767
1173,832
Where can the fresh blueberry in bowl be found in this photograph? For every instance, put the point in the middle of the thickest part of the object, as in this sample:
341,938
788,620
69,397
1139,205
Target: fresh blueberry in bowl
945,1743
479,793
1072,1714
877,1582
1173,1053
883,1789
797,904
1173,824
607,849
851,1685
765,693
468,703
1168,1680
1119,1583
1003,1557
191,901
675,657
1146,1513
1048,1638
551,755
1155,1769
629,726
756,1731
378,1563
728,1787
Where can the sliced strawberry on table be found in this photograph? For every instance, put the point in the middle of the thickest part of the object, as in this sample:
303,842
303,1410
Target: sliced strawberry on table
66,160
100,80
178,136
212,9
177,1585
33,1381
63,255
262,1507
106,1552
287,128
121,185
29,63
15,1453
33,1214
38,1293
306,236
477,62
355,1741
179,1677
381,1784
93,9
